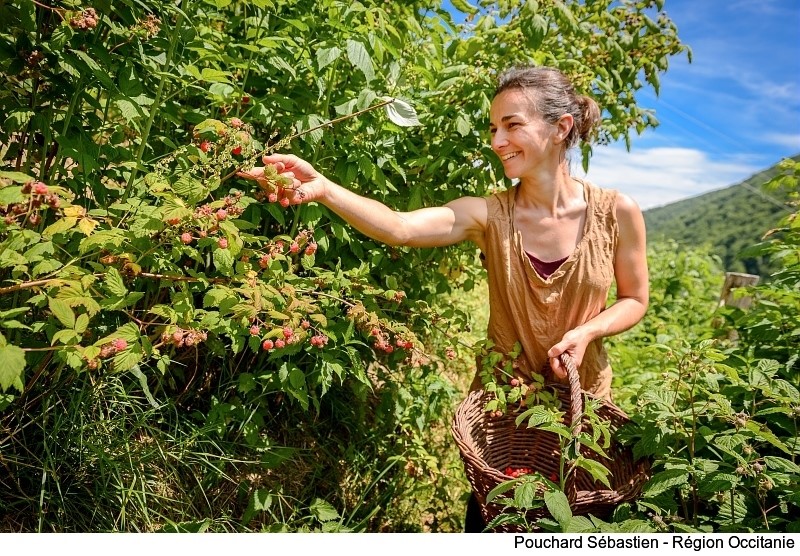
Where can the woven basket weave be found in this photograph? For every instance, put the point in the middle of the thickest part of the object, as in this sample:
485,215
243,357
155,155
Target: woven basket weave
488,444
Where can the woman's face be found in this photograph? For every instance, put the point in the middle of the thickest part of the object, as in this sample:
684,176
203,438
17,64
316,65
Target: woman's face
521,139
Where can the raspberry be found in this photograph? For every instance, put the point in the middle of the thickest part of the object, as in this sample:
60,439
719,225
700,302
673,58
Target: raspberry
264,261
186,238
514,382
205,146
554,477
311,248
287,332
305,324
223,243
273,197
294,247
39,188
236,122
119,344
255,330
245,100
267,345
221,215
236,151
279,343
285,202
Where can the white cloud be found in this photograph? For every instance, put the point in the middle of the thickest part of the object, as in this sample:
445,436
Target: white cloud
663,175
789,140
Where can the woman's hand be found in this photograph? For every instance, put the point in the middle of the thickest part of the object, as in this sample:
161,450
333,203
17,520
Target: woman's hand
307,184
574,343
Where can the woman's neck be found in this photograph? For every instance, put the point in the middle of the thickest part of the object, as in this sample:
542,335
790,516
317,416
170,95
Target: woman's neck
550,189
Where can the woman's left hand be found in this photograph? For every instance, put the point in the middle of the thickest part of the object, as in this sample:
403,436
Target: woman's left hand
574,343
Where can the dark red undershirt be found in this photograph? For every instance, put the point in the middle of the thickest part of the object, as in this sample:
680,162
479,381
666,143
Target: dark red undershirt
545,269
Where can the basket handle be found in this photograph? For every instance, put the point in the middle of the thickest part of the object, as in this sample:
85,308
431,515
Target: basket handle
575,392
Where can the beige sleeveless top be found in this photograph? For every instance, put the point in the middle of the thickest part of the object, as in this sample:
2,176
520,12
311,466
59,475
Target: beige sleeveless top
538,311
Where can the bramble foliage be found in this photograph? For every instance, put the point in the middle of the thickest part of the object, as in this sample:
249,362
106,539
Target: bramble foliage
154,309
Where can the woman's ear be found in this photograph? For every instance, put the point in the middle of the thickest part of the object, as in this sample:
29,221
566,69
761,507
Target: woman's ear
563,127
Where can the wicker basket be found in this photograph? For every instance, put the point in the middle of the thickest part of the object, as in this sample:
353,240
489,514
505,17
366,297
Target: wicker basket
488,444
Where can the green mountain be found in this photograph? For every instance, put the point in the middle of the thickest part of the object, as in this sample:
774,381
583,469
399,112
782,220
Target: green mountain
729,220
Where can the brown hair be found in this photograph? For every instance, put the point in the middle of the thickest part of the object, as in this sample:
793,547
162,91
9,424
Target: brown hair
553,96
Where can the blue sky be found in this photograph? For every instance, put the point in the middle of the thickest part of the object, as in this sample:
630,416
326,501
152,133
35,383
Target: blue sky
732,112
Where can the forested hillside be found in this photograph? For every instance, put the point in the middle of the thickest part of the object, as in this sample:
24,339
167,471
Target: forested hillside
729,220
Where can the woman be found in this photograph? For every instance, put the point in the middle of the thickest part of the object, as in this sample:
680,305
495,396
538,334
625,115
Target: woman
553,244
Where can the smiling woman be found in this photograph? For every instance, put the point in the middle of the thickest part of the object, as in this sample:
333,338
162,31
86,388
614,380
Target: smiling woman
552,244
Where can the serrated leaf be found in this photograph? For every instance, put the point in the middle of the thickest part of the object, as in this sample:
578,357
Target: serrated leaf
114,282
62,311
326,56
60,226
558,506
597,470
81,323
323,510
665,480
12,364
401,113
464,6
500,489
360,58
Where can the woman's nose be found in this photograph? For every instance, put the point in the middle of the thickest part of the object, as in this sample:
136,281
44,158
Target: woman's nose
499,140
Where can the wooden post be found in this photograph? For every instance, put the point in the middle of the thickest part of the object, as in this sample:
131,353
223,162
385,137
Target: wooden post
735,280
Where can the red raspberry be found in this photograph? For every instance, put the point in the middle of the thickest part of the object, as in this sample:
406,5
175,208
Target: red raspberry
514,382
294,247
288,332
119,344
279,343
263,262
221,214
255,330
177,336
554,477
34,219
311,248
236,122
273,197
186,238
236,151
305,324
285,202
267,345
39,188
245,100
223,243
205,146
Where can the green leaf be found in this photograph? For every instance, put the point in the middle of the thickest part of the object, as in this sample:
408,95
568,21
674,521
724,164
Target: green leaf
781,464
223,261
81,323
558,506
326,56
114,282
401,113
359,57
762,432
464,6
323,510
502,488
597,470
62,311
12,364
665,480
525,495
